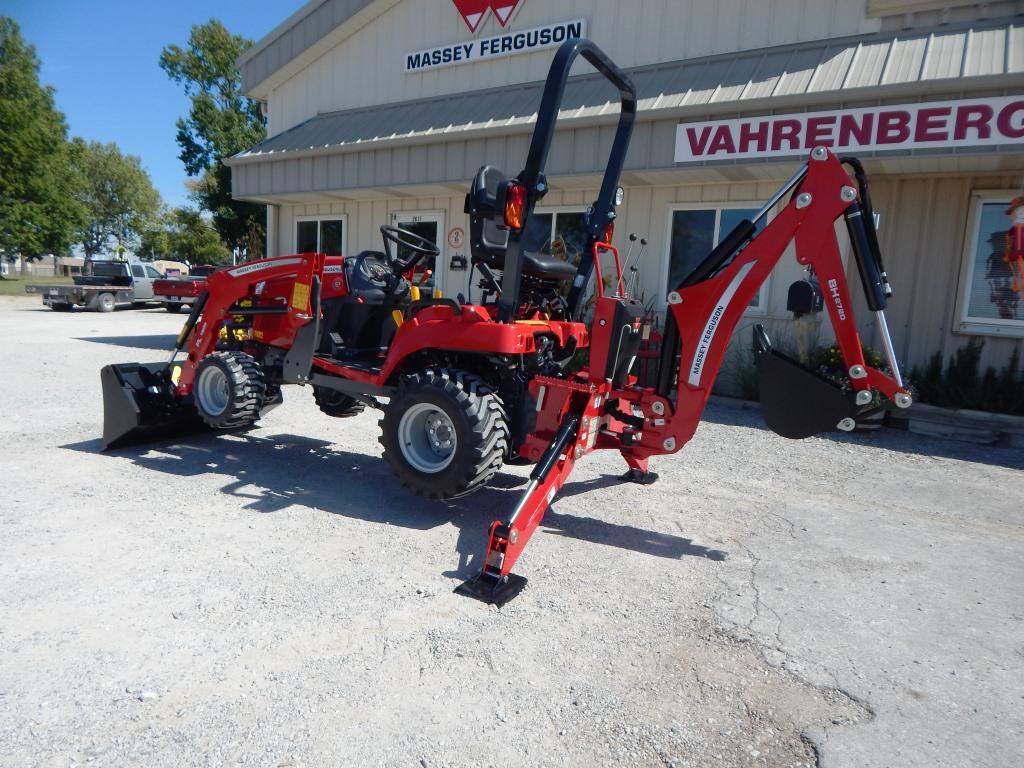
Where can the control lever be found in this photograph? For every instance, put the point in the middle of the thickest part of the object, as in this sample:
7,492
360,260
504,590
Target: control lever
632,242
639,255
632,268
631,282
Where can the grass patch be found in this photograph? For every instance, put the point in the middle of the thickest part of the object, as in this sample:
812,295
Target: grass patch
15,286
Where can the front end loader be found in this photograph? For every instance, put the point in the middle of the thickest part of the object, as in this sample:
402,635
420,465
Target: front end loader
471,386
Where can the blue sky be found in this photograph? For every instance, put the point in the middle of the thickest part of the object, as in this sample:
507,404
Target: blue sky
101,56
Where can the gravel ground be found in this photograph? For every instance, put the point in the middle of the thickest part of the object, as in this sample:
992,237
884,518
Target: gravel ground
276,599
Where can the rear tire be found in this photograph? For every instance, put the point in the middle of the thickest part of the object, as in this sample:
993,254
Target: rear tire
336,404
445,433
60,306
172,308
105,302
229,390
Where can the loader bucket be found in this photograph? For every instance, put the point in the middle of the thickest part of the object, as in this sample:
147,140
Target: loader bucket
140,406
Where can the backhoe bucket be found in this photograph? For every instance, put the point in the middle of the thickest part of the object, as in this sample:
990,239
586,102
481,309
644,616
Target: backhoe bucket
796,402
139,405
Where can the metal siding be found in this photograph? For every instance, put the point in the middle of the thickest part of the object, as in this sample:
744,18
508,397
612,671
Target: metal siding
1015,49
944,57
306,173
436,162
867,65
418,164
634,34
807,69
986,52
832,69
905,60
765,76
291,177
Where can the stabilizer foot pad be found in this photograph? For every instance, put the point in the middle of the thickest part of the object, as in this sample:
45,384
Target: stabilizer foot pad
492,591
638,477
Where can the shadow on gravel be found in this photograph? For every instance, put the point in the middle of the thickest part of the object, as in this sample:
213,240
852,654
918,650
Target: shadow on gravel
272,473
889,439
163,341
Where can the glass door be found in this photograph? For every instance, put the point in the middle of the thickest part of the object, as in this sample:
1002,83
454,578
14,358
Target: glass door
431,227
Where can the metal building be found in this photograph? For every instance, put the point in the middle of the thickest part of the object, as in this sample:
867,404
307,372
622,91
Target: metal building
381,111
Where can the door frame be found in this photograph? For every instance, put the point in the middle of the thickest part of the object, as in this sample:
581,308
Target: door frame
438,216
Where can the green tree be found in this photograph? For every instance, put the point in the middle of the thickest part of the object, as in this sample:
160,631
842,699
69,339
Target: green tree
116,194
220,123
155,239
184,234
38,214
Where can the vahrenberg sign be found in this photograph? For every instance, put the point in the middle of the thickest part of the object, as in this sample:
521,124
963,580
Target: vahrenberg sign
513,43
967,123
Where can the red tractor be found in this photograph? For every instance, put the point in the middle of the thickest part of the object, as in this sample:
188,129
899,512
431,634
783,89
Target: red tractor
470,386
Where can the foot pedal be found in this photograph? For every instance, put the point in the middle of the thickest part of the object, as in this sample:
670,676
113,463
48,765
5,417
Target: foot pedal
490,590
638,477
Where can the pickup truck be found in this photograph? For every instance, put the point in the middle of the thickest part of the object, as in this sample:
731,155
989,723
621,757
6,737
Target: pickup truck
104,286
176,292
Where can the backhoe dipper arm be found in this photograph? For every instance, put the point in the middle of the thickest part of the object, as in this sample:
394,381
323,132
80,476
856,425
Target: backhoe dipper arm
705,310
225,288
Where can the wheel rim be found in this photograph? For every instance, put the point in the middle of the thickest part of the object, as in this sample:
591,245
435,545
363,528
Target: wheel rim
213,391
427,438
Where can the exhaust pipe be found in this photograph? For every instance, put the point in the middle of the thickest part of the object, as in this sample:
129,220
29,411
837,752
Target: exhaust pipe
140,405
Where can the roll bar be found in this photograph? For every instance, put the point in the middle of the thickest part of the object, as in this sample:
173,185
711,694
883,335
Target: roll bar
532,177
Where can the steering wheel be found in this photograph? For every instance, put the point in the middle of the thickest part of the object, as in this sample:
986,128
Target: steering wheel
403,238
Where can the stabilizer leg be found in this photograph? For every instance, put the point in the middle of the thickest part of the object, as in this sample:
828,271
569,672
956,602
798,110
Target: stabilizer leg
496,584
638,472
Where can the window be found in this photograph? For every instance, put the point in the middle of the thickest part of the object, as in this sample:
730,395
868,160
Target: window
325,236
138,271
693,235
992,300
150,272
556,233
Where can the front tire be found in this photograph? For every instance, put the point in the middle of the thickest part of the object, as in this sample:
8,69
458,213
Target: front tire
445,433
229,390
336,404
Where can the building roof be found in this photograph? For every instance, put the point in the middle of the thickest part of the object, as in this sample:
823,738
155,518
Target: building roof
874,66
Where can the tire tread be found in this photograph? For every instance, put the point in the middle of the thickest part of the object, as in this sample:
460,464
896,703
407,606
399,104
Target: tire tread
488,423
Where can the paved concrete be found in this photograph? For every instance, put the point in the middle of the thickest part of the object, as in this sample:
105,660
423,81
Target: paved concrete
274,598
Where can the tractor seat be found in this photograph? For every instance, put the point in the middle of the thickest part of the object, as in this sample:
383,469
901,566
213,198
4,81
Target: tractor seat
489,242
547,267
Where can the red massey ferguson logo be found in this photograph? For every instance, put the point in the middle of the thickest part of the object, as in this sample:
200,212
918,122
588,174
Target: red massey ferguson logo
475,11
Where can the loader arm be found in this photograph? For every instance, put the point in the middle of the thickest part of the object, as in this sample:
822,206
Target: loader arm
225,288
